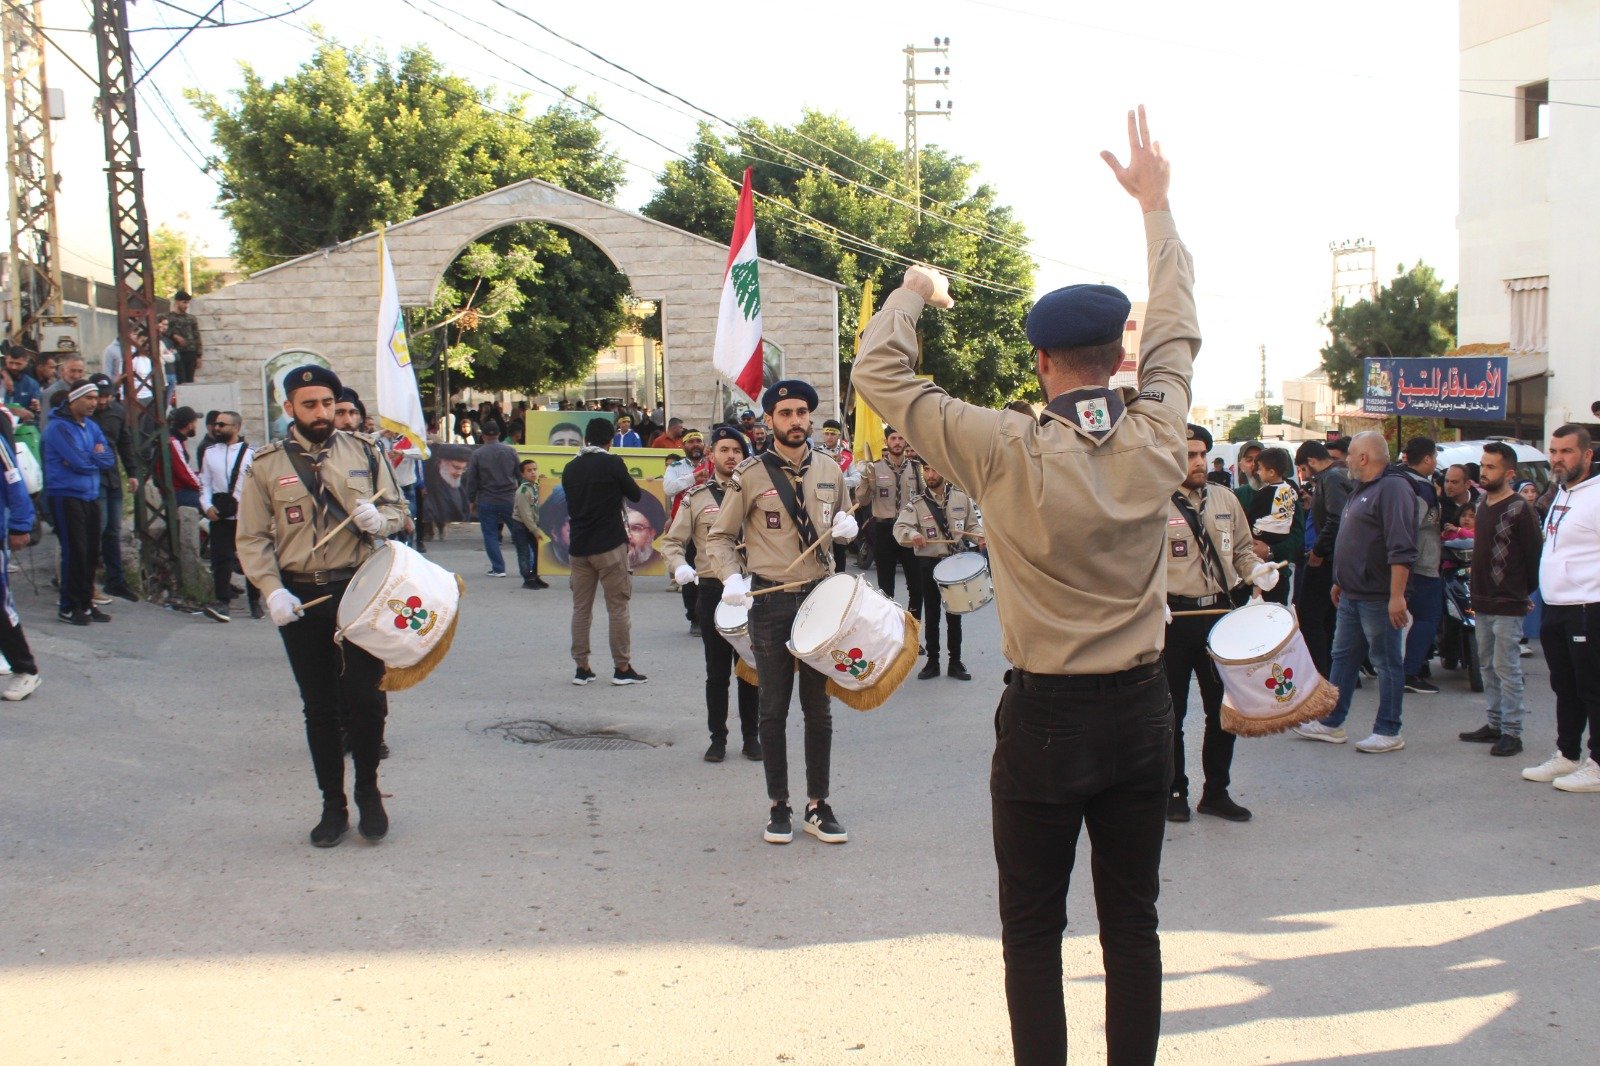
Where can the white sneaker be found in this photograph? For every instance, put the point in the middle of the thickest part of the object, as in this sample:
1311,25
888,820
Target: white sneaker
1557,765
1585,778
1317,731
495,573
1377,743
21,687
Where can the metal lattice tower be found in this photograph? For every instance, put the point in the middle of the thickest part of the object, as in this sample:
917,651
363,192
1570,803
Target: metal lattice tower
941,46
155,521
30,167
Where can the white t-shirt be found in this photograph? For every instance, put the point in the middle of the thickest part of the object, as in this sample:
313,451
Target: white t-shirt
1569,570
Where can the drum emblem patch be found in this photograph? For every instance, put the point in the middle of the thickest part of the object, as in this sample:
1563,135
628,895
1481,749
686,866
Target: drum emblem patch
410,614
1281,683
851,662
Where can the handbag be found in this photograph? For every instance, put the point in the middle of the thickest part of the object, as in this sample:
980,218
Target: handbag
226,504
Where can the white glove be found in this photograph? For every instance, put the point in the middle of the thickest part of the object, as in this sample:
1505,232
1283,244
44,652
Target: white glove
1265,578
283,606
1168,612
844,527
685,575
366,517
736,591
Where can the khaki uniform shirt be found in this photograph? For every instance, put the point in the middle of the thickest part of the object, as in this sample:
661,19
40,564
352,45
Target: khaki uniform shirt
771,542
279,521
888,487
1225,521
1076,501
692,525
959,517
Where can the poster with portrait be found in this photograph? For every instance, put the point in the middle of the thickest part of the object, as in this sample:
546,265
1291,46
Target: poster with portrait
442,471
559,429
272,375
646,520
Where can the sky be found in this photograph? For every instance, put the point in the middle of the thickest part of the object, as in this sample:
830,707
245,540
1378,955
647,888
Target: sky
1288,126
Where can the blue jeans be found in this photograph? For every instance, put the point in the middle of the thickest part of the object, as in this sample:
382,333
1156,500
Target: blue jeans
491,516
1362,630
1500,658
111,536
1425,601
527,551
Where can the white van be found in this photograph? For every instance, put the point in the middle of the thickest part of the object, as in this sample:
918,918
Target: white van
1532,465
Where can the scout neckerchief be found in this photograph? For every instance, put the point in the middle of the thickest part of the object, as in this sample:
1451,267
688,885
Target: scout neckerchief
1210,562
1094,411
938,512
308,467
789,481
899,483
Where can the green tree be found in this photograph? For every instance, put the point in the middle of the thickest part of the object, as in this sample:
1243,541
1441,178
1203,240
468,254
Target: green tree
1249,427
1412,316
977,351
347,143
167,247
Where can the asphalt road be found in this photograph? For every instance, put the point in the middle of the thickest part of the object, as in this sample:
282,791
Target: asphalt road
534,905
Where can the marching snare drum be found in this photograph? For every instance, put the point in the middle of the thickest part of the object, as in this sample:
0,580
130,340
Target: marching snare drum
964,582
402,608
857,637
1269,681
733,623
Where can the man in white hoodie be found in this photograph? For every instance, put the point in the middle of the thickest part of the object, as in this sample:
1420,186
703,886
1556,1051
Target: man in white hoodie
1569,579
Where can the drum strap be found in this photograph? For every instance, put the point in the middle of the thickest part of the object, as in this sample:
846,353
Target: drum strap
790,484
1210,561
938,514
307,468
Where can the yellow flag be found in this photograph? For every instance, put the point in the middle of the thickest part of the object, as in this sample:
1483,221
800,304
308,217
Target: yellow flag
868,442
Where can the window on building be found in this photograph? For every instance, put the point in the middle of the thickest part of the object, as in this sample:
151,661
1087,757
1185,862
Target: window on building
1533,111
1530,313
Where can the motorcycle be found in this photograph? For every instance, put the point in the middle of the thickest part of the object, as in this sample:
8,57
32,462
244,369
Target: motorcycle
1458,631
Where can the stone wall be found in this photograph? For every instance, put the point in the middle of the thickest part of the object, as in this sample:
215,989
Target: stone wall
327,302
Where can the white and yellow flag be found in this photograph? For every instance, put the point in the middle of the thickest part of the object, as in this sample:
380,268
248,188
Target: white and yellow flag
399,402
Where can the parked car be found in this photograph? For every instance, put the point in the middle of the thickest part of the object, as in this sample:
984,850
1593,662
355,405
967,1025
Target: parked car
1531,462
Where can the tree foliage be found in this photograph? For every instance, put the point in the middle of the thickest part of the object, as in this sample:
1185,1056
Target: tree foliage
346,144
1249,427
166,254
1412,316
977,351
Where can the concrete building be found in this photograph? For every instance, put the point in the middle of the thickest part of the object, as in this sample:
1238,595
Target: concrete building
1132,334
1530,183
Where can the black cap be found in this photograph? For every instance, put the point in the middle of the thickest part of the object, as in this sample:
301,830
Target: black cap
1199,433
1078,316
311,374
729,433
789,389
102,383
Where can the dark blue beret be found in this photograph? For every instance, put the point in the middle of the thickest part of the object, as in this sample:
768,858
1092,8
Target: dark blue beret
1078,316
1201,434
311,374
729,433
789,389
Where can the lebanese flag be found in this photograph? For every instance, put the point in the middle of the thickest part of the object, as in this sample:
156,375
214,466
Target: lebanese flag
737,352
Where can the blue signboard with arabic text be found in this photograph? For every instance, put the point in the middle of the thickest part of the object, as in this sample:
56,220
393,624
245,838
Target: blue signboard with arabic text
1466,387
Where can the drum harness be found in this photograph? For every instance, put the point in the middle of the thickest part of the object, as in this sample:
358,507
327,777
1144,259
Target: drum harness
790,485
324,503
935,509
1210,562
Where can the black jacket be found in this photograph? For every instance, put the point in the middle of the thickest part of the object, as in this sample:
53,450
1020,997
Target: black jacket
595,483
113,422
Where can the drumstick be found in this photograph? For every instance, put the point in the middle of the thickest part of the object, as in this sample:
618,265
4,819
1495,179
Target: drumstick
330,533
1196,614
781,588
822,541
313,603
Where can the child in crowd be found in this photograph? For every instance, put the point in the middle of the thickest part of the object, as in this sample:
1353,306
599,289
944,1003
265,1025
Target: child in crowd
525,524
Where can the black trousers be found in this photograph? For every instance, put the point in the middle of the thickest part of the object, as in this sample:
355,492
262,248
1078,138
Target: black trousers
887,553
930,617
13,643
1570,635
1314,605
1186,655
719,667
188,363
1071,752
77,525
339,690
224,555
691,604
771,620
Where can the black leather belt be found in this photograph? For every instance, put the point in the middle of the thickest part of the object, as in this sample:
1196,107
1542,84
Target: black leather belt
758,582
1136,675
317,577
1191,603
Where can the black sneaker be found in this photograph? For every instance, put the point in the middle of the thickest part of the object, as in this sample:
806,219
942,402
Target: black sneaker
1367,670
374,821
821,824
257,611
752,749
1177,807
780,825
71,618
1484,734
335,822
217,612
958,671
530,584
1221,805
1425,687
124,592
538,584
717,751
383,751
630,676
1507,746
694,630
929,672
582,676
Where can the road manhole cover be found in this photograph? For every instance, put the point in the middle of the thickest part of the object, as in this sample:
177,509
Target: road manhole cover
549,735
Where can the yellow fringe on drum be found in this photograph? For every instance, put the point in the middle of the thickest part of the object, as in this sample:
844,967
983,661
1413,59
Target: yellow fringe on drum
1317,705
396,678
865,699
743,670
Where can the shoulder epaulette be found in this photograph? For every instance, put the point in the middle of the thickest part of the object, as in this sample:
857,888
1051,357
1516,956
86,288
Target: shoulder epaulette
268,449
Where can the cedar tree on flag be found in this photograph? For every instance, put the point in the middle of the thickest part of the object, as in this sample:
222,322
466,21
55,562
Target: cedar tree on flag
737,353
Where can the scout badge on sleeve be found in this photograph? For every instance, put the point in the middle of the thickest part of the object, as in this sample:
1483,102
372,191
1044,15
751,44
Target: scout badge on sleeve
863,642
403,609
1269,681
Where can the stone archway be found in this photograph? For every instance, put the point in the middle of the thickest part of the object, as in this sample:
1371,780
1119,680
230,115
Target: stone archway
328,301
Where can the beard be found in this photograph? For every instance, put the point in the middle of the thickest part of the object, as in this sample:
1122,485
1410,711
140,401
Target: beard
317,432
795,436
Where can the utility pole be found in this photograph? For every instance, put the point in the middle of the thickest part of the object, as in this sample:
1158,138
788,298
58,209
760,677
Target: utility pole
35,289
1355,270
156,521
1261,397
941,107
